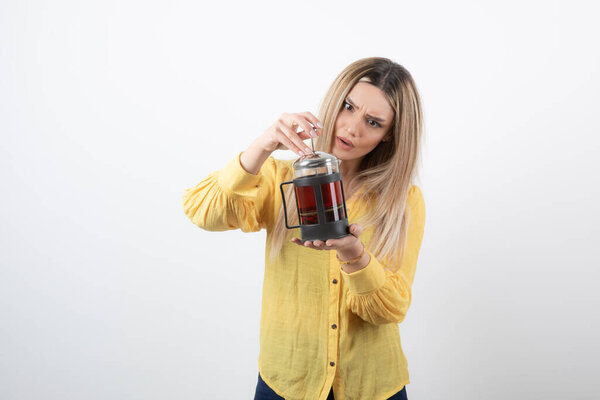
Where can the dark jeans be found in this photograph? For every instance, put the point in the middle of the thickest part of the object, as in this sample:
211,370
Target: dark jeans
264,392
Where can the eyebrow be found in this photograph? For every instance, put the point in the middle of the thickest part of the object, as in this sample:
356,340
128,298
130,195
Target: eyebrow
349,100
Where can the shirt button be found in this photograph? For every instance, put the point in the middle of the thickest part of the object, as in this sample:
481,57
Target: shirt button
334,281
332,363
333,326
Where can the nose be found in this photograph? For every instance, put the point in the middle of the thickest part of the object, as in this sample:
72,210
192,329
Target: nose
352,126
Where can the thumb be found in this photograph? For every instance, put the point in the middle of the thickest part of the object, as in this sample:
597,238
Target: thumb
355,230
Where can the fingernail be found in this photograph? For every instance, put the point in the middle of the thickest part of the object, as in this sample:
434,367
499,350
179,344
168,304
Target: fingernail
319,125
313,134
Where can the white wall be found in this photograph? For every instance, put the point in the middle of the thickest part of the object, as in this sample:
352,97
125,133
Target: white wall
109,110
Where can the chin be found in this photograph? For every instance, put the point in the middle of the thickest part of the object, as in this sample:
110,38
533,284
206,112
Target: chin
337,154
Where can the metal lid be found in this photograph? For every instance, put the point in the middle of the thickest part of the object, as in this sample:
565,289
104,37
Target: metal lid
315,160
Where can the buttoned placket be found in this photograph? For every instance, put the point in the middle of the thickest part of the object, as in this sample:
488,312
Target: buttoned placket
333,318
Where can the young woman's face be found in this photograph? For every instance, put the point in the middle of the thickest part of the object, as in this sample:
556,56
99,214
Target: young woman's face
364,120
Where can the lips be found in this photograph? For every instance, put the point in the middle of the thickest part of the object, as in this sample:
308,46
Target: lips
346,141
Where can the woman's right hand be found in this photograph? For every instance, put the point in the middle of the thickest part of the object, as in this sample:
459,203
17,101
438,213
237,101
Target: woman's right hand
282,134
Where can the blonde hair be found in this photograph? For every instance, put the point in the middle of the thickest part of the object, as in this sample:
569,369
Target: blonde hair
396,158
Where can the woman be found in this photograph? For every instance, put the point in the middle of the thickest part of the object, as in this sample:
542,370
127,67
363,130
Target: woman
329,319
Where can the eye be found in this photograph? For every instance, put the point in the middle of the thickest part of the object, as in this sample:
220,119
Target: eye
349,108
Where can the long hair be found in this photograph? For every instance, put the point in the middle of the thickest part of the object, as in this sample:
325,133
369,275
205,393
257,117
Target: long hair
385,174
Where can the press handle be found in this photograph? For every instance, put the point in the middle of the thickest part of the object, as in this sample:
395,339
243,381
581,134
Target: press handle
284,207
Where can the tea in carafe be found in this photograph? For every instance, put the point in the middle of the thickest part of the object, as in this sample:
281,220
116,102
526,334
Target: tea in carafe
320,200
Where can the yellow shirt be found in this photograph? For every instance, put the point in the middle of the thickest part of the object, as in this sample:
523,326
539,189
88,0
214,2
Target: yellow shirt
320,326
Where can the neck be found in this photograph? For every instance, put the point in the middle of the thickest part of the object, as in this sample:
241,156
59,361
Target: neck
349,168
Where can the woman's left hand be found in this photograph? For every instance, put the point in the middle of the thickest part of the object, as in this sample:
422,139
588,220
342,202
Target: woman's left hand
347,247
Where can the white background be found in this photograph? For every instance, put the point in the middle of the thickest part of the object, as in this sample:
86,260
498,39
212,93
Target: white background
109,110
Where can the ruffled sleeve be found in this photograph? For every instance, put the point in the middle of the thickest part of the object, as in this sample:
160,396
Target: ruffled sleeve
376,293
232,198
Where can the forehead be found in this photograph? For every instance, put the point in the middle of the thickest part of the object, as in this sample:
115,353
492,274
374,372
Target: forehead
372,99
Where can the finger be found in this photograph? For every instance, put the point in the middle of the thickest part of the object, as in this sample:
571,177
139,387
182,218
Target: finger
298,242
343,242
355,230
309,244
288,142
331,247
295,139
287,125
308,130
318,247
313,120
332,242
319,244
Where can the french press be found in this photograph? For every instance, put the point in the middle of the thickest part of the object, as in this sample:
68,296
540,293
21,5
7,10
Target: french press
320,199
